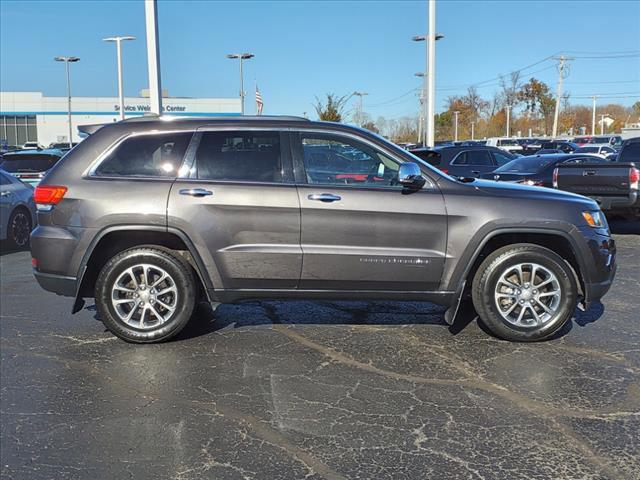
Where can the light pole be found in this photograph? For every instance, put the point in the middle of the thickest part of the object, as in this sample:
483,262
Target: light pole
242,57
602,117
455,131
421,130
118,41
593,117
473,124
508,108
429,130
67,61
360,111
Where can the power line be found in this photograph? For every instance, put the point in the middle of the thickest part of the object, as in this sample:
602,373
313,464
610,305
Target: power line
604,83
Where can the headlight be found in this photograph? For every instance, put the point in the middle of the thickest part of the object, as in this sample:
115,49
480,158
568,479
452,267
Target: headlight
595,218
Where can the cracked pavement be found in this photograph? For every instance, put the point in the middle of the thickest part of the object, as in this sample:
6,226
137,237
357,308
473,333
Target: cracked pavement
284,390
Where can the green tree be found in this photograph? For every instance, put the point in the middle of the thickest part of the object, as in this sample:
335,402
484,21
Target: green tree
538,100
332,109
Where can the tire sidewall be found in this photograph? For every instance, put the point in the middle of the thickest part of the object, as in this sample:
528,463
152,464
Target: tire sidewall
548,259
180,274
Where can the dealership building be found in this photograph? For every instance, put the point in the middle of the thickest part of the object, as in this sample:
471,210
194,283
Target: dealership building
32,117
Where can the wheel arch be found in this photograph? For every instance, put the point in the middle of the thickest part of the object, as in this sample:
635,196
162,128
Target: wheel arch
556,240
113,240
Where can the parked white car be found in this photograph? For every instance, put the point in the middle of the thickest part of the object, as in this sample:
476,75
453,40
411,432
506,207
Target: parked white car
508,144
601,150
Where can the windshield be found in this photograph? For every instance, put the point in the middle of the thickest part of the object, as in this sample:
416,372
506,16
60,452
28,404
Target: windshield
28,163
525,165
588,150
508,142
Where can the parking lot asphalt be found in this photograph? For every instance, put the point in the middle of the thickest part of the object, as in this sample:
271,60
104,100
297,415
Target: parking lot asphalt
318,390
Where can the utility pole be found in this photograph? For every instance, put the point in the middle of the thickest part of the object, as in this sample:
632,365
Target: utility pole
593,117
455,130
563,71
360,107
508,120
153,56
473,124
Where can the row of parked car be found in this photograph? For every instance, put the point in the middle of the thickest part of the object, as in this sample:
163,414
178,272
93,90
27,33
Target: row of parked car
611,180
21,169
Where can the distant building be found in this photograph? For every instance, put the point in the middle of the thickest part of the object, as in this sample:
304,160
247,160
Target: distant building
32,117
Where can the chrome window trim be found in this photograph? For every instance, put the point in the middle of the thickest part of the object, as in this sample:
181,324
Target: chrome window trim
90,172
429,184
190,154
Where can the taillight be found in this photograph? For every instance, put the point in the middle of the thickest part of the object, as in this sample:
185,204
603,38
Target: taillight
46,196
555,178
634,177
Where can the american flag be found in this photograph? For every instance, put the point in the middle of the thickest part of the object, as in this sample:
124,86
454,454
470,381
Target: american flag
259,102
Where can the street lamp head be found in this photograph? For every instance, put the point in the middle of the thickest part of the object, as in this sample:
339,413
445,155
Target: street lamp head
243,56
420,74
422,38
118,39
67,59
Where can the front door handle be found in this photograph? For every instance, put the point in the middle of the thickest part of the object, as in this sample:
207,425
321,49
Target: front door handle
196,192
475,172
324,197
589,172
6,193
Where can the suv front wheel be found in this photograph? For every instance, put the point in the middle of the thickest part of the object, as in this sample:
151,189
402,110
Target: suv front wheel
145,294
524,292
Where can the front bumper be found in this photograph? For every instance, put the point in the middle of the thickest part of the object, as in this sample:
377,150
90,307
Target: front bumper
599,263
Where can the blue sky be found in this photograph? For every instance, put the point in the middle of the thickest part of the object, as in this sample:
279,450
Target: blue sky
306,48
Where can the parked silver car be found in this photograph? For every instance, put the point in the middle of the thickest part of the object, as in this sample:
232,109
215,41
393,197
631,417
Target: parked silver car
17,210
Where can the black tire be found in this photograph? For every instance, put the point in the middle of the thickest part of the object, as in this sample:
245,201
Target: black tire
486,280
19,228
180,275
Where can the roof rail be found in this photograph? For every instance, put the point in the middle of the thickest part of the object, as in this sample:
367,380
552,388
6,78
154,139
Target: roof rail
153,117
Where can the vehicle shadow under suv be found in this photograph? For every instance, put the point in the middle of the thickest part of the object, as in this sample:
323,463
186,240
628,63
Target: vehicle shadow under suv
205,320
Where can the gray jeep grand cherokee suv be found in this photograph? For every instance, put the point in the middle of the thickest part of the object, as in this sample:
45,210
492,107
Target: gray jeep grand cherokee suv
151,215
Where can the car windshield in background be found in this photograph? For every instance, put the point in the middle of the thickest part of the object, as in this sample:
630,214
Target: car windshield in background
588,150
508,143
525,165
28,162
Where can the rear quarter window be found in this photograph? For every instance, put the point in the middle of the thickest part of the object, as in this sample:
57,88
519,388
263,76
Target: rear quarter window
150,155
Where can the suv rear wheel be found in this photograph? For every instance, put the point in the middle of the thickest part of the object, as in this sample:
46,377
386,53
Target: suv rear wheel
524,292
145,294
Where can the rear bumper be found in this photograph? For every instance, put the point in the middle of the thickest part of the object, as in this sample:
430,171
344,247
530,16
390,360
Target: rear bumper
59,284
615,203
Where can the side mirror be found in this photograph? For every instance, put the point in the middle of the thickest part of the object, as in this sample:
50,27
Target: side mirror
410,176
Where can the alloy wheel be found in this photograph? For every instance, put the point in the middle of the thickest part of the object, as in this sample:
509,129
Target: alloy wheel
527,295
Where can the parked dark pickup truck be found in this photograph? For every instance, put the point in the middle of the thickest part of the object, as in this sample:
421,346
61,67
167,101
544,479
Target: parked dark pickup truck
613,185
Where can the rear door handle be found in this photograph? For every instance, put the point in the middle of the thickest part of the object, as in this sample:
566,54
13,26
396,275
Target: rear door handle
475,172
6,193
589,172
324,197
196,192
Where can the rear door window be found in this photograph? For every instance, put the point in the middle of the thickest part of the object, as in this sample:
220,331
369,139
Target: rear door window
501,158
241,156
150,155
